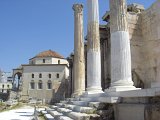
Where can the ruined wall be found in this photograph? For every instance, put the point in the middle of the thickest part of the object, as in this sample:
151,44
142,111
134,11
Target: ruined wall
136,41
151,43
144,31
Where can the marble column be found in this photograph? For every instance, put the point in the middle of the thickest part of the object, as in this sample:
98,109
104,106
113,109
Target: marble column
121,77
79,61
93,49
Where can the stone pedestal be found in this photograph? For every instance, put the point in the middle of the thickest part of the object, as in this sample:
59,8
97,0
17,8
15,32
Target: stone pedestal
121,77
79,62
93,49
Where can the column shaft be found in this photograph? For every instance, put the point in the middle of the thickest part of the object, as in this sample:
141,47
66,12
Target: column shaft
121,78
93,48
79,62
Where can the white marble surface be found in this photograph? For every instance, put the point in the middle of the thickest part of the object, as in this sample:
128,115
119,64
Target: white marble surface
93,13
120,59
93,71
23,113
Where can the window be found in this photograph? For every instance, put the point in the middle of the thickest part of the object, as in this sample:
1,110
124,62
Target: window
57,75
40,75
44,60
58,61
49,75
2,86
40,85
8,86
49,85
32,75
32,85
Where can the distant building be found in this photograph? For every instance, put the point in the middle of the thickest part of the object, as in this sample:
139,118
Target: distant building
5,82
5,77
44,78
5,87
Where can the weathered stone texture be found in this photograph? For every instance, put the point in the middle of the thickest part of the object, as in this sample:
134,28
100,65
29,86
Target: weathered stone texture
93,36
118,15
129,112
79,62
151,43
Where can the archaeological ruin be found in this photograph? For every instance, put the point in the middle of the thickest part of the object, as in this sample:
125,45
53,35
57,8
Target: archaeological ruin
120,80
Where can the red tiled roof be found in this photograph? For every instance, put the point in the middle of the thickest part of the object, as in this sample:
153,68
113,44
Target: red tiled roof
49,53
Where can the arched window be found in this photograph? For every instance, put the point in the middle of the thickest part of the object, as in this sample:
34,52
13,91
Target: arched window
32,75
49,75
57,75
40,85
40,75
49,85
8,86
32,84
2,86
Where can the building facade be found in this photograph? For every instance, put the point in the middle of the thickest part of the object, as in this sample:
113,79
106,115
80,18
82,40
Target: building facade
44,78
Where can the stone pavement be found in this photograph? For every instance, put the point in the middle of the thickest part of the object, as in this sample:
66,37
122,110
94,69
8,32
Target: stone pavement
23,113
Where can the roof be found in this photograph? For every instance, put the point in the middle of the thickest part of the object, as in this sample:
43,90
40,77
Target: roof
48,53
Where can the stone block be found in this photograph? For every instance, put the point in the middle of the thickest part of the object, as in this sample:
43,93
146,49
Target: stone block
49,117
80,103
130,112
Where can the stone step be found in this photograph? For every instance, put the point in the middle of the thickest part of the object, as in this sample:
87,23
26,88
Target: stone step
78,116
40,109
48,117
53,107
64,118
49,109
81,109
73,115
109,99
79,103
83,116
89,99
55,114
64,102
44,112
60,104
73,99
64,110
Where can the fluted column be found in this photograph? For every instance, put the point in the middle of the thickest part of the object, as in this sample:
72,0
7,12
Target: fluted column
93,49
121,77
79,62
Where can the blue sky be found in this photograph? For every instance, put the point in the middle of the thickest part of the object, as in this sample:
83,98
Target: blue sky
28,27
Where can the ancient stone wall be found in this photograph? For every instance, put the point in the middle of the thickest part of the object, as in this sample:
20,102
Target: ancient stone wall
136,41
151,43
144,32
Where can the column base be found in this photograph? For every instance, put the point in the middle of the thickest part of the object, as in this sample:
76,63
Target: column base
93,90
121,88
77,94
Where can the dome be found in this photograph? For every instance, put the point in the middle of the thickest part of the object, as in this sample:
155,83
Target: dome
49,53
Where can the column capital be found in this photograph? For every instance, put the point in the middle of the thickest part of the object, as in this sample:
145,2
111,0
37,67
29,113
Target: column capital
77,7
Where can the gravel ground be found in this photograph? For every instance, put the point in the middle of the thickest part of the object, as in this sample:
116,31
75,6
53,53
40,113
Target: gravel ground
23,113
